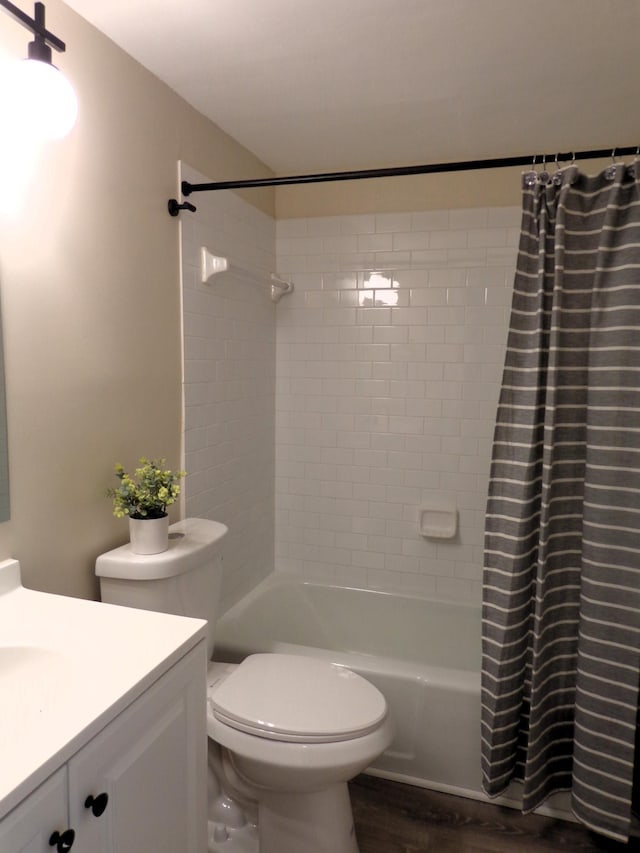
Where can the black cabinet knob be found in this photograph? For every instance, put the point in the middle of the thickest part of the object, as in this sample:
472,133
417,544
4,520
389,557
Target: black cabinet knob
97,804
62,841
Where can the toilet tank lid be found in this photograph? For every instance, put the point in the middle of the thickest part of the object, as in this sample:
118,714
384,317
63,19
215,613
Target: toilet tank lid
191,543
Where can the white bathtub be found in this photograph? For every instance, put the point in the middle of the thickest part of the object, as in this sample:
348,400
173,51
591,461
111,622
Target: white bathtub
423,654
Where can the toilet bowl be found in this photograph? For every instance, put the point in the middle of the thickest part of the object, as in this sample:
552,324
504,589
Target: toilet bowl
294,731
286,732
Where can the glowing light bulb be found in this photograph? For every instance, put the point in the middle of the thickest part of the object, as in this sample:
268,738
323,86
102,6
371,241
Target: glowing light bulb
39,100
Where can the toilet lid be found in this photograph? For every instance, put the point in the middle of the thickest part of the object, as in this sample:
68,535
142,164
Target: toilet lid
295,698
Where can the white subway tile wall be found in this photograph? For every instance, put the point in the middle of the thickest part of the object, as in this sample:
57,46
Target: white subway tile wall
389,361
229,383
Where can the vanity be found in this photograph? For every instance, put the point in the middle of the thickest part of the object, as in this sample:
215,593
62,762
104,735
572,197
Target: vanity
102,726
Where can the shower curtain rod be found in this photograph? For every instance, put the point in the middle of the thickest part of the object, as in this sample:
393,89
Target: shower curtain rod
398,171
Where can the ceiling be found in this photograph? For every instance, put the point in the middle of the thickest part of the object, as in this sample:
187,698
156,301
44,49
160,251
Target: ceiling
326,85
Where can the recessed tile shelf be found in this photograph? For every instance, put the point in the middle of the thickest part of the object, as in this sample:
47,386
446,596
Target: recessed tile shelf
439,519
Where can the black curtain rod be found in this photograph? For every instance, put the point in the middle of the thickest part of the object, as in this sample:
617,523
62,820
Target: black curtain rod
398,171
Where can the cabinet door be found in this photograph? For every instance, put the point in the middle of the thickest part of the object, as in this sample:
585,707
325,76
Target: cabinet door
151,763
28,828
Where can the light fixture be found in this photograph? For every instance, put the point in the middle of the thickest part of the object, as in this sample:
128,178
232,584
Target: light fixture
41,100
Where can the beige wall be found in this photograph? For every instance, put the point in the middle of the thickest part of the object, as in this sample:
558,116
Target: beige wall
482,188
495,187
90,296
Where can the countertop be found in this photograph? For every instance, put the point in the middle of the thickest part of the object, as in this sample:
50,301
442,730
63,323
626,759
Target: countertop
67,668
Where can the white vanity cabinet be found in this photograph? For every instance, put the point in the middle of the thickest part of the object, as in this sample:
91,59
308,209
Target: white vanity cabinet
137,786
28,828
151,763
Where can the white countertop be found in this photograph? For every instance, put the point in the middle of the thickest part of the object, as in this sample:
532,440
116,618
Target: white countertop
67,667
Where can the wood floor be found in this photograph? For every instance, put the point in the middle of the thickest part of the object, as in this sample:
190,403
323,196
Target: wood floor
391,817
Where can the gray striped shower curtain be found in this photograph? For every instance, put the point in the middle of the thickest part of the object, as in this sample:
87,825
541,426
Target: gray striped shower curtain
561,583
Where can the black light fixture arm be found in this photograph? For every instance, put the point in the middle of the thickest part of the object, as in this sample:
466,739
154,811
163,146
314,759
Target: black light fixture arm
44,40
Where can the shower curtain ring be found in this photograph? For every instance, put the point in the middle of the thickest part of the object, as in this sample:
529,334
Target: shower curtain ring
610,171
557,175
530,178
544,177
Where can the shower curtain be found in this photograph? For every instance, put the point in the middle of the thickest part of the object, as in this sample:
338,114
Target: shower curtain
561,582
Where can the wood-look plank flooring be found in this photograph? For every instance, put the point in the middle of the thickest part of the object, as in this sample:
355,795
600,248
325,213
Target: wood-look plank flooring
391,817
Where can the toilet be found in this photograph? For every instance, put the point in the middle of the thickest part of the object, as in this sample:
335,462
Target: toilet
286,732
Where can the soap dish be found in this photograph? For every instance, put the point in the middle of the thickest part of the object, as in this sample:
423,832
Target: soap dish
438,519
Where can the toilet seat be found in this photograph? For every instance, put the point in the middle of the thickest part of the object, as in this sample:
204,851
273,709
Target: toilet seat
297,699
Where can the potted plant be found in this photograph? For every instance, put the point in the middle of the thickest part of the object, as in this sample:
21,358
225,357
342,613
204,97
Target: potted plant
144,498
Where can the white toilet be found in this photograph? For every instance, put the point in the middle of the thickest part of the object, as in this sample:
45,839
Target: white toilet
286,732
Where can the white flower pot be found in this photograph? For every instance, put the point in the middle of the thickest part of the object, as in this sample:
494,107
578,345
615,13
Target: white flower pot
149,535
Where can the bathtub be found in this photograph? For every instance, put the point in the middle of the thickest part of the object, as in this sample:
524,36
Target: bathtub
423,654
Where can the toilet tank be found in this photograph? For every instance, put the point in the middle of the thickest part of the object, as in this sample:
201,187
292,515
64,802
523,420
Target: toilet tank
185,579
